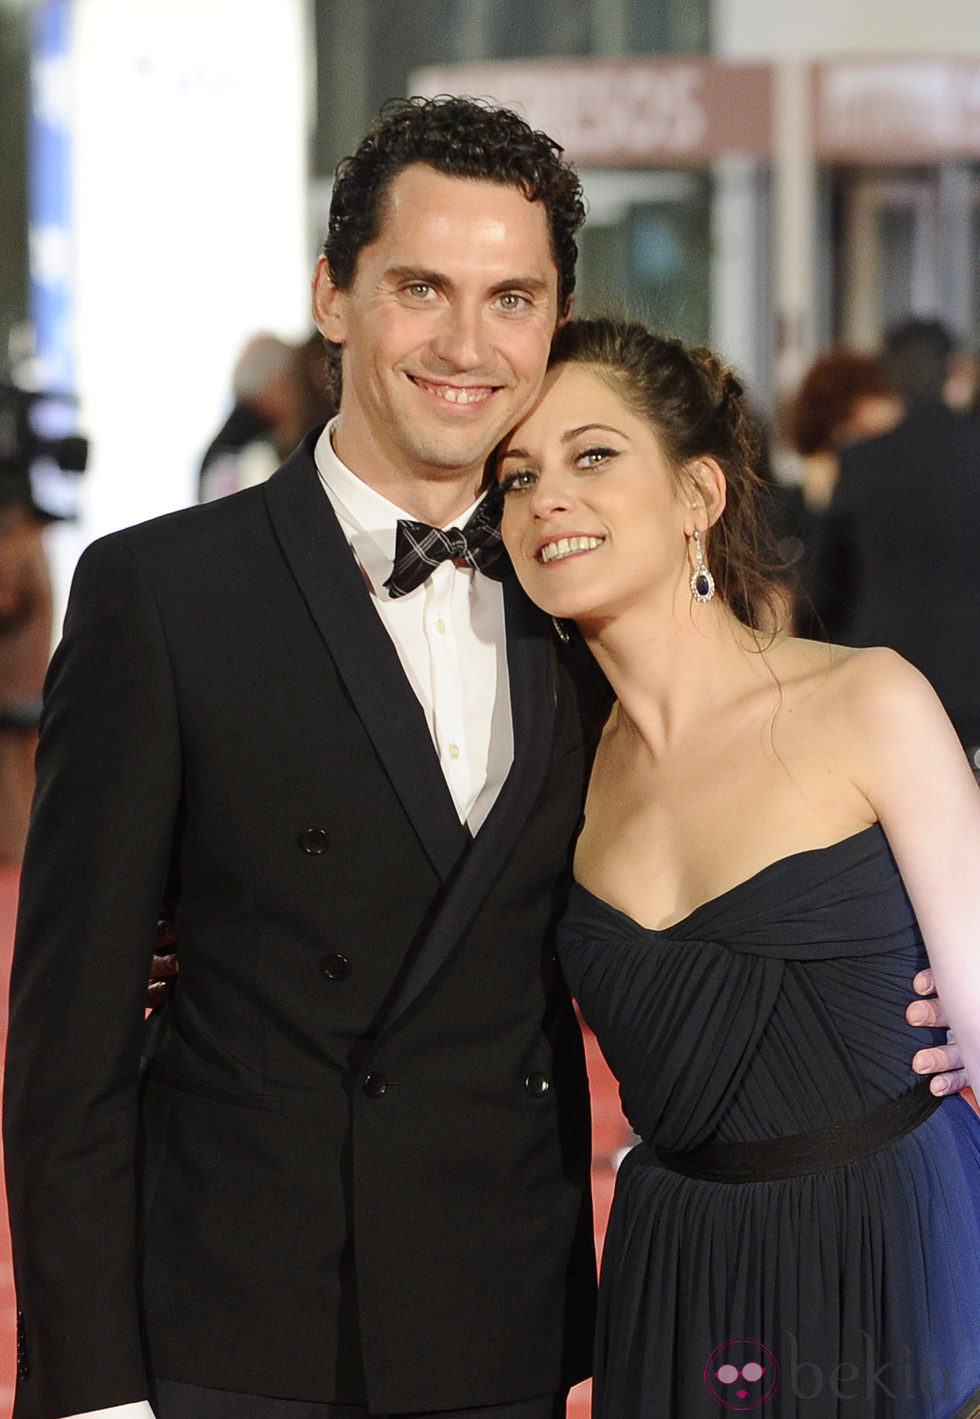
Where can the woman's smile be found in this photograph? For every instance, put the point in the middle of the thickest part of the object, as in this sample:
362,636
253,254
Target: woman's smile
558,549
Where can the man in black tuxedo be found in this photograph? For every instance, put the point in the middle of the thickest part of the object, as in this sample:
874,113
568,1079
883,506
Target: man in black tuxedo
356,1176
900,555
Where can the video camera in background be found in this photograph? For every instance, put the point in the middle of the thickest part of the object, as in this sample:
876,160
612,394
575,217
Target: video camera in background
40,460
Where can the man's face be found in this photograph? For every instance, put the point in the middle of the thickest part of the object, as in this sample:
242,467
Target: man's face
445,331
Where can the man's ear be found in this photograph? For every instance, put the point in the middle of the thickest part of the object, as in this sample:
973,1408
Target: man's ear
328,304
705,492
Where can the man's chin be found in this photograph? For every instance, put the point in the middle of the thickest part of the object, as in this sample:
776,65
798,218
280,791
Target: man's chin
456,459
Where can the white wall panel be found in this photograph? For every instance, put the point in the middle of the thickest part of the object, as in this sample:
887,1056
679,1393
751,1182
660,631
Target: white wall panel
189,180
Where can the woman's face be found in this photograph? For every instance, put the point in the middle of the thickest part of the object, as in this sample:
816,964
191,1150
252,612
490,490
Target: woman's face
592,519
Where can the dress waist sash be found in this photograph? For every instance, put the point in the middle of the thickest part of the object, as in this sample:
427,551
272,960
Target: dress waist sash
800,1153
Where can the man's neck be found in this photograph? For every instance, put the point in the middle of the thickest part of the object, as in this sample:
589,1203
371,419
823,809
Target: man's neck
438,503
435,496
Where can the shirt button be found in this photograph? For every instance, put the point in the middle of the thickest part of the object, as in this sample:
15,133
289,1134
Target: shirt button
537,1085
335,966
375,1084
441,626
314,841
454,751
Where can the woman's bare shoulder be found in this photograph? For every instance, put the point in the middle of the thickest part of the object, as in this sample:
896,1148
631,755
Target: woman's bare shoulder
846,674
883,712
858,705
876,680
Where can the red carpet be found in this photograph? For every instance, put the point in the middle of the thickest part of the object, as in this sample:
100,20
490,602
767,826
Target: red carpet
610,1134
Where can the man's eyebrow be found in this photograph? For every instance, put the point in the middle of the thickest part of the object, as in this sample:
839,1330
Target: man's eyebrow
536,285
417,273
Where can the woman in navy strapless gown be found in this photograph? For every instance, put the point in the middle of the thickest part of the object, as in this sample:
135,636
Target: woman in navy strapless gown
776,833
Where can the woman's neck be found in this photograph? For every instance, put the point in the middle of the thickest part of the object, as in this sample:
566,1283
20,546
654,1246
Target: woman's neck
668,671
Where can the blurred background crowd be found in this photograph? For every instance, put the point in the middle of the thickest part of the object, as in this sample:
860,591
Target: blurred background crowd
798,186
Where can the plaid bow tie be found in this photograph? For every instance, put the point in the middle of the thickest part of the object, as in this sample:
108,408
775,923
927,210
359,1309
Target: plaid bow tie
419,547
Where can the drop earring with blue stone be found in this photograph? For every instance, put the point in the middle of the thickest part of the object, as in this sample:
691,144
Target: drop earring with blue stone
702,582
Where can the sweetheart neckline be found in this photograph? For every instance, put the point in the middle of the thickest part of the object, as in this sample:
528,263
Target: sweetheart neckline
729,891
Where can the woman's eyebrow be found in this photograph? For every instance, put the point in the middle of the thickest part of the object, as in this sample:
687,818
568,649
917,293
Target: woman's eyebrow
566,438
585,428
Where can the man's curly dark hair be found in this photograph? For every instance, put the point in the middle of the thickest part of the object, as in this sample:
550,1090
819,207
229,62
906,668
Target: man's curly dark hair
460,137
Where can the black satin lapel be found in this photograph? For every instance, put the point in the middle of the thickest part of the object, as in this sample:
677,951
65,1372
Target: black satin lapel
530,661
332,586
531,670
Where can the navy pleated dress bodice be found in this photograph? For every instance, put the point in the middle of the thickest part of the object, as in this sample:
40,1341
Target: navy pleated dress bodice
777,1009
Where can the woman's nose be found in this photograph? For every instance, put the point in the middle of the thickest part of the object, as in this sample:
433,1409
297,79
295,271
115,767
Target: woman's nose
550,495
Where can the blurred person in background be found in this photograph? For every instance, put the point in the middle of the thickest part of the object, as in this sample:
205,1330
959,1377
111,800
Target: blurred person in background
844,395
899,556
39,469
962,388
280,391
25,645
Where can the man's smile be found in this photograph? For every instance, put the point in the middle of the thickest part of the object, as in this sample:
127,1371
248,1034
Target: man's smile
462,395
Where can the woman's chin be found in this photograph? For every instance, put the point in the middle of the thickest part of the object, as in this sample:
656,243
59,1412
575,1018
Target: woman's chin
562,607
560,610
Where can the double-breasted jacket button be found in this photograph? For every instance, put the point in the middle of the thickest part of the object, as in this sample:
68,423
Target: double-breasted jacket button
537,1085
375,1084
335,966
314,840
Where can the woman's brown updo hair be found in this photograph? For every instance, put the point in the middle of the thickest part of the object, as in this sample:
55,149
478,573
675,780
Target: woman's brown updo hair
695,405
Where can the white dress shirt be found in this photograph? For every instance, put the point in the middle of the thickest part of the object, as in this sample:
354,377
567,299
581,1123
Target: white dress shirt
138,1410
450,637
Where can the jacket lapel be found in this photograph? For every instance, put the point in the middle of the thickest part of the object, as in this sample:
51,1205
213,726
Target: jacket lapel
327,575
530,660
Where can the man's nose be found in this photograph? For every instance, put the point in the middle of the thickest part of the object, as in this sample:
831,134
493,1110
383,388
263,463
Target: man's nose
461,339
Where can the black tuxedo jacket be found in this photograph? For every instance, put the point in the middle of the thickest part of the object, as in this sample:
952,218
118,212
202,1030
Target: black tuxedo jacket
365,1124
899,561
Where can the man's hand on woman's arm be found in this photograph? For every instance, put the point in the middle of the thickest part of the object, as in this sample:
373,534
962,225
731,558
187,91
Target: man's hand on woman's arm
165,965
944,1062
